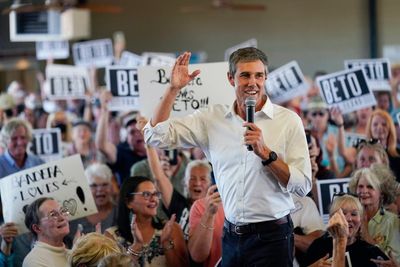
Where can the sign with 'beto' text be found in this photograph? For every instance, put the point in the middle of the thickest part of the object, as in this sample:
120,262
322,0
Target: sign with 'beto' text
123,85
66,82
286,83
326,191
63,180
347,89
130,59
377,72
97,53
158,59
46,143
52,50
210,87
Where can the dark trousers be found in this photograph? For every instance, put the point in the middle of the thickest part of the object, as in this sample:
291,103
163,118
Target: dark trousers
265,244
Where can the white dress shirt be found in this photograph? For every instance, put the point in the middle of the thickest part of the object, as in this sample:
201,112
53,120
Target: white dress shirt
249,191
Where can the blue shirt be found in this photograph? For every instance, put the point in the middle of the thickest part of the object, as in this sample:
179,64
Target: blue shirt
9,166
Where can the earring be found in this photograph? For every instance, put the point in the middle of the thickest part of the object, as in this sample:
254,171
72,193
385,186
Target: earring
382,210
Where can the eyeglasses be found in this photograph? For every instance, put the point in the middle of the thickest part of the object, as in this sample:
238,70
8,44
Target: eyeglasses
101,186
55,214
318,113
360,142
147,195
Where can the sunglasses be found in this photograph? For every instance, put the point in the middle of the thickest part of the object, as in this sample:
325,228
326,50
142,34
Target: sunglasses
318,113
147,195
360,142
340,194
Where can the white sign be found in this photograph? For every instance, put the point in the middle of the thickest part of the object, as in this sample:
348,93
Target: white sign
158,59
326,190
346,89
52,50
123,85
392,52
98,53
130,59
64,180
286,83
377,72
249,43
66,82
210,87
352,139
46,143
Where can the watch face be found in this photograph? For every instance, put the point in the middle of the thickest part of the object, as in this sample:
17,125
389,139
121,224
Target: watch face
273,156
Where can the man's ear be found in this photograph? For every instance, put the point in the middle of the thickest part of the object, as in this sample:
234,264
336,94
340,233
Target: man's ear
36,228
230,79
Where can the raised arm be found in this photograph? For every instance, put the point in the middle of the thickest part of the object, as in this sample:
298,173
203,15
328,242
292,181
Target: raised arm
180,77
106,147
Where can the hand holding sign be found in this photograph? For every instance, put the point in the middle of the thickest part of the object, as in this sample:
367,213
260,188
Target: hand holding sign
180,76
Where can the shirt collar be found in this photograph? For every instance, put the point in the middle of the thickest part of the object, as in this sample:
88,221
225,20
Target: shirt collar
267,109
9,158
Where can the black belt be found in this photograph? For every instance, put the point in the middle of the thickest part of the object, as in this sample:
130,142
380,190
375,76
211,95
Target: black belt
253,228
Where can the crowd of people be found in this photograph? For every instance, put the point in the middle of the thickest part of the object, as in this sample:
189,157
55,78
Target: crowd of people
168,192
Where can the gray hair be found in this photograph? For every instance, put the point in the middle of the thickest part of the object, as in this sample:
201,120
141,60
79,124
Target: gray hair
381,178
11,126
246,54
195,163
32,214
98,170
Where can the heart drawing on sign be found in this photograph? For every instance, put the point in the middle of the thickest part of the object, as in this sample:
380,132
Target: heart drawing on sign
71,205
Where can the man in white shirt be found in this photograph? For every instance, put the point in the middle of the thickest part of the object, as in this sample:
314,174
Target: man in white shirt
255,185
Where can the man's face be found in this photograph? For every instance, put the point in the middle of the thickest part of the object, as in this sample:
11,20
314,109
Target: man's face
198,183
249,80
53,224
18,142
135,139
82,134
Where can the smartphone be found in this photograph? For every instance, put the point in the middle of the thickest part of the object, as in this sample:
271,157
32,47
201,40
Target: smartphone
172,155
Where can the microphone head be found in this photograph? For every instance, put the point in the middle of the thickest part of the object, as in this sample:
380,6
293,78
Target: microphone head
250,101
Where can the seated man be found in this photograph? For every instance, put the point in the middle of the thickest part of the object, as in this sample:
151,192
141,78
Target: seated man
48,223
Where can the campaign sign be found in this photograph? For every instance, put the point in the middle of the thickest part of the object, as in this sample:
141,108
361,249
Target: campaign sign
286,83
249,43
52,50
326,190
124,87
346,89
352,139
377,72
158,59
210,87
98,53
130,59
46,143
66,82
64,180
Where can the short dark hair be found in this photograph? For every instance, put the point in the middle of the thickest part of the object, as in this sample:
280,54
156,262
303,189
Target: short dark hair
32,215
246,54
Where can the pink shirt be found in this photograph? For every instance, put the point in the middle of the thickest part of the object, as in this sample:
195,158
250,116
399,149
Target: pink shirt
196,212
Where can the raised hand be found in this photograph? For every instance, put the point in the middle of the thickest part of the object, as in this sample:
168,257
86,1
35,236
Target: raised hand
136,233
180,76
213,199
167,230
338,226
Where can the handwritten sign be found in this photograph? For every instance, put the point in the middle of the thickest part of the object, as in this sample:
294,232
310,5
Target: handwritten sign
66,82
62,180
211,86
46,144
158,59
123,84
52,50
249,43
286,83
326,189
377,72
346,89
98,53
130,59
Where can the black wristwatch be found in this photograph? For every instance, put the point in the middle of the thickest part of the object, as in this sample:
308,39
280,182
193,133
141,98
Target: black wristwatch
272,157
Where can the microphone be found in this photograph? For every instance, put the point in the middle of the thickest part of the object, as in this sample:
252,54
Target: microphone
250,103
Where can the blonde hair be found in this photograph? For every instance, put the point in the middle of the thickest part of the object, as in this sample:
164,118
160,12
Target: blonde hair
338,203
117,260
381,178
91,248
392,137
57,117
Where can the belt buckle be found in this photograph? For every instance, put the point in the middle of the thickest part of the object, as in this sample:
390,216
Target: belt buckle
236,230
